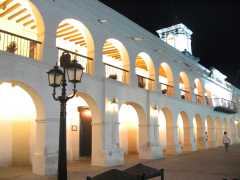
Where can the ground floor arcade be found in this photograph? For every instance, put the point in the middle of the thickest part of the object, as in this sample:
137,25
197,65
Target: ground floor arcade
106,135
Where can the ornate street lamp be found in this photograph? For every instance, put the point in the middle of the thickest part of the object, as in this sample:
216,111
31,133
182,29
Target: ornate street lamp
57,78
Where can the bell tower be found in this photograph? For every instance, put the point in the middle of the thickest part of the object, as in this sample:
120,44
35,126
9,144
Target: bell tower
178,36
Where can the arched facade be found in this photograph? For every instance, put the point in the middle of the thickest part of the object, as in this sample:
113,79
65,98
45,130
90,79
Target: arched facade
73,36
145,71
116,61
74,29
166,79
22,29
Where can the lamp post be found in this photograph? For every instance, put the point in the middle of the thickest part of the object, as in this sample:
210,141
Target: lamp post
57,78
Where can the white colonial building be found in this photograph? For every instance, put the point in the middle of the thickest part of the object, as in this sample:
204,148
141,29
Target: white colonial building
138,95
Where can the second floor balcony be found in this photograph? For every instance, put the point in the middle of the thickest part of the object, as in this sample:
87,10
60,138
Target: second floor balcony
19,45
116,73
224,105
83,60
145,82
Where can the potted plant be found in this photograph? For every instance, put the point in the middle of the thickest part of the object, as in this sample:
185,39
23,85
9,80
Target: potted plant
12,47
113,76
164,91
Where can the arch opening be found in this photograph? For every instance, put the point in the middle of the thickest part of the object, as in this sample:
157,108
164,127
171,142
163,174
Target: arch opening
219,132
145,71
198,131
184,134
129,129
116,60
20,107
21,28
82,111
166,79
184,86
198,91
166,131
73,36
209,125
208,96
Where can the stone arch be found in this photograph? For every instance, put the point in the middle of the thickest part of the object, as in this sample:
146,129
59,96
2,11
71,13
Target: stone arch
198,91
232,128
74,37
219,131
116,60
184,86
166,79
198,131
184,131
238,129
135,133
225,125
145,71
166,130
210,131
83,107
23,125
22,28
208,95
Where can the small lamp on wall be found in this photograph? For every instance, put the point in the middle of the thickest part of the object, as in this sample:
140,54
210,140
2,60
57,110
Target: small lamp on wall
114,101
114,104
155,107
74,128
155,110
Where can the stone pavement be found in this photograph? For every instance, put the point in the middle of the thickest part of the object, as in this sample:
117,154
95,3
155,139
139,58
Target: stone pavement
213,164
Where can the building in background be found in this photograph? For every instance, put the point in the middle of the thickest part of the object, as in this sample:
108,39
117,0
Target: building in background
138,94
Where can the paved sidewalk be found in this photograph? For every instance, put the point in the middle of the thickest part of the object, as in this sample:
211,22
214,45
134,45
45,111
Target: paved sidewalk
213,164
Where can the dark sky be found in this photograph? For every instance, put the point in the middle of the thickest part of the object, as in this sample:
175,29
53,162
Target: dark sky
215,26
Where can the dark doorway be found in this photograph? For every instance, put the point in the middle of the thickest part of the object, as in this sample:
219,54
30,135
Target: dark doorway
85,131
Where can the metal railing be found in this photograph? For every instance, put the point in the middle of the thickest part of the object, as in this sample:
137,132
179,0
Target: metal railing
166,89
199,99
83,60
116,73
19,45
224,105
145,82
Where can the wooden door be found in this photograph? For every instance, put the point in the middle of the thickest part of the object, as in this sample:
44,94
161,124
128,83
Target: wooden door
85,132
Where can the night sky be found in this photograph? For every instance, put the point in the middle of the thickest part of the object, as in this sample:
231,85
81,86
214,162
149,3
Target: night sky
215,38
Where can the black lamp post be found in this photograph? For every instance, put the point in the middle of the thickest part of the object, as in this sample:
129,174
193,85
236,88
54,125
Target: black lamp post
57,78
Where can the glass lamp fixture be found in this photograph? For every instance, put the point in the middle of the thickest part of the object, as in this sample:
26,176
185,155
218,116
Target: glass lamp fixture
74,72
55,77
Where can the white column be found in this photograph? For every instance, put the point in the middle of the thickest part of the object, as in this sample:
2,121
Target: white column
112,154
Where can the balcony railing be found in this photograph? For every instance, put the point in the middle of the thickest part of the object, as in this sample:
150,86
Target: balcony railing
224,105
83,60
167,89
116,73
199,99
145,82
19,45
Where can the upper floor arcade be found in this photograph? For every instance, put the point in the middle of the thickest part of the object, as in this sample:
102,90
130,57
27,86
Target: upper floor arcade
22,32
